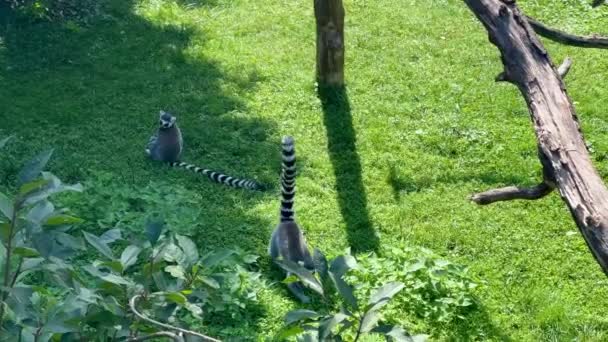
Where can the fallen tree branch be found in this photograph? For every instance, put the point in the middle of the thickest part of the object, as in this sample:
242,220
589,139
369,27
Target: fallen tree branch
593,41
512,192
133,306
562,151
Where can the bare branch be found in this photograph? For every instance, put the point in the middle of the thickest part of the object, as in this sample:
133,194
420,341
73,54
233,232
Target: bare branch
133,306
562,151
593,41
512,192
565,67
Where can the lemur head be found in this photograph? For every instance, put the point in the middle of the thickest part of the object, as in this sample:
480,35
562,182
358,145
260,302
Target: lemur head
166,120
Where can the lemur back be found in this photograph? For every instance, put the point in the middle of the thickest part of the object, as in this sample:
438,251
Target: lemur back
287,240
166,145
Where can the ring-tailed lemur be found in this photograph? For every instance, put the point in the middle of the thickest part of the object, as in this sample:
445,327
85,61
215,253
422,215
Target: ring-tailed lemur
287,240
166,145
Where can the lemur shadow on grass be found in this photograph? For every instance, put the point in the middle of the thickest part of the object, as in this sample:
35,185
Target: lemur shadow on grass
93,92
342,146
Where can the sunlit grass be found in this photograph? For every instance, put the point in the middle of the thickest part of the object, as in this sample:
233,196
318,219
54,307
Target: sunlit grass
430,128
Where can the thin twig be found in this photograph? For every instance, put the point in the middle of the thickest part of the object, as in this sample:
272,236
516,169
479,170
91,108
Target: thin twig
133,306
175,337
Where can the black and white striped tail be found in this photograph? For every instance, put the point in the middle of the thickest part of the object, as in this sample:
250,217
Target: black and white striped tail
288,179
219,177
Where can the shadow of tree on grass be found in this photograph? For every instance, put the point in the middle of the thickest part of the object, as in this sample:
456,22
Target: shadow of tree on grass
341,143
93,93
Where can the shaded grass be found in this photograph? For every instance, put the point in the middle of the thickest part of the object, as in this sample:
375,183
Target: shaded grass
423,127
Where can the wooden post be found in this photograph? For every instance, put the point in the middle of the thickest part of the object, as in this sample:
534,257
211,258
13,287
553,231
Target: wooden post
329,15
564,156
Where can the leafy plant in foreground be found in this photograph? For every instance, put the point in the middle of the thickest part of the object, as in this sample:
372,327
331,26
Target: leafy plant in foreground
351,321
48,293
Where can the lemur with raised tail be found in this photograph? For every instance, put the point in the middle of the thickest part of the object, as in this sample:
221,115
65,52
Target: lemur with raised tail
287,240
166,145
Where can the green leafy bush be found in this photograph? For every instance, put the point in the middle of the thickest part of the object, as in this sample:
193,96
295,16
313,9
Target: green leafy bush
343,316
159,277
435,289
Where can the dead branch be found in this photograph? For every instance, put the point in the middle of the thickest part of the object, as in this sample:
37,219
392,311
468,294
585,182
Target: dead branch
593,41
512,192
564,67
566,161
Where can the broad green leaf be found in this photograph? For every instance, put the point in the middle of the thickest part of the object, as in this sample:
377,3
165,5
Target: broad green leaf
300,315
189,249
287,332
306,276
70,241
129,256
176,271
369,320
210,282
30,264
344,289
342,264
292,278
62,219
172,253
6,206
114,265
98,244
153,230
4,141
111,235
54,186
327,325
40,211
213,259
109,277
26,252
385,292
176,298
33,186
34,167
420,264
320,262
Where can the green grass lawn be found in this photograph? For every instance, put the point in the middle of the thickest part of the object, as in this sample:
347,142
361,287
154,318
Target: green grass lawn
421,126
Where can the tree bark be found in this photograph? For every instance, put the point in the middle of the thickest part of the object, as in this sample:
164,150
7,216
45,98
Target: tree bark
561,145
329,15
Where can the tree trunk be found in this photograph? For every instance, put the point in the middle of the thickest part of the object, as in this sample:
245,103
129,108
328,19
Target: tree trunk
329,15
528,66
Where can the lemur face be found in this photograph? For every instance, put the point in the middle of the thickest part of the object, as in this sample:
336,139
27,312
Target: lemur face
166,120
